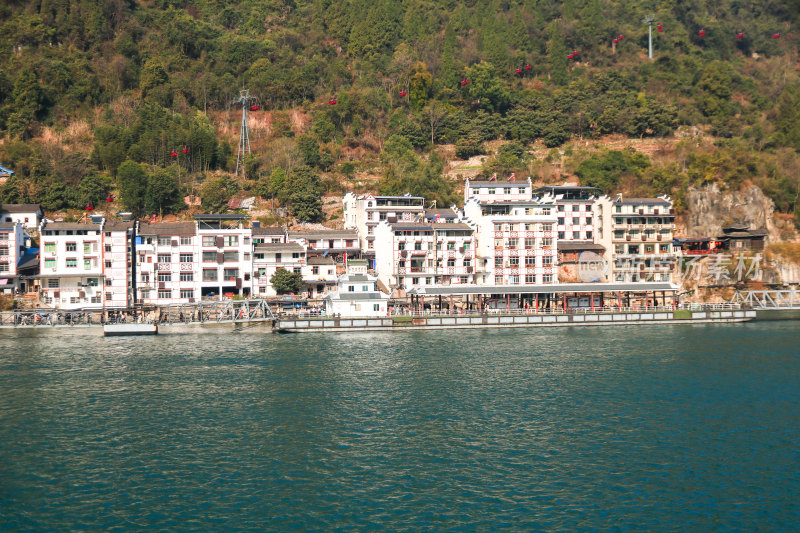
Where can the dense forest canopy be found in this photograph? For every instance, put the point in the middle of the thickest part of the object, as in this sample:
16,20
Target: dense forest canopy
153,77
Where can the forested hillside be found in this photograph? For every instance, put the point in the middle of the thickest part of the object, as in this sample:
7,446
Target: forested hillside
137,96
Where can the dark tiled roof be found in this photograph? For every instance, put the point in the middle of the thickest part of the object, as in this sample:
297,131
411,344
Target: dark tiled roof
324,234
279,246
499,184
642,201
71,226
319,260
268,230
167,228
117,225
20,208
574,246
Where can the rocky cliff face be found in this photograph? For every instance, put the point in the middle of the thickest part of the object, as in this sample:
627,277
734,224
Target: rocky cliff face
708,209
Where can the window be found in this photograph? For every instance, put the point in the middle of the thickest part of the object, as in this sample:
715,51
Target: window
4,267
186,241
547,242
164,294
530,261
498,261
619,249
376,307
547,227
467,262
187,258
530,279
491,191
108,282
561,235
619,234
513,243
52,283
145,294
588,207
514,261
507,190
576,234
164,258
164,240
187,293
401,246
576,220
209,240
351,288
87,264
165,276
49,263
49,247
561,208
187,276
145,277
108,264
97,299
560,221
209,257
467,246
619,209
547,278
107,248
476,191
663,248
589,235
418,246
547,260
649,248
230,240
230,257
513,280
451,262
315,270
72,247
209,274
633,249
230,274
72,263
296,270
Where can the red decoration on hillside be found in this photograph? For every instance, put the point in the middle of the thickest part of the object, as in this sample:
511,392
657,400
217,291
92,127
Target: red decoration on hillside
740,35
332,101
173,154
776,36
255,107
89,206
463,82
702,33
403,93
528,66
621,37
518,70
110,198
660,28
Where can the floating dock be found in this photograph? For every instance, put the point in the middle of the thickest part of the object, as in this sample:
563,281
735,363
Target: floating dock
118,330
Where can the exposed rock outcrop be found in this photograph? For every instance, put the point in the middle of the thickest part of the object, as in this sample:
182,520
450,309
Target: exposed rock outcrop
708,209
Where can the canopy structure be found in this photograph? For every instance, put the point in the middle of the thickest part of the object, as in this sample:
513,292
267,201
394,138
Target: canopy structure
559,288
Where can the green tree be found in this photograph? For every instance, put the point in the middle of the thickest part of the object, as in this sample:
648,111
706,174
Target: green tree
132,186
556,53
285,282
215,194
163,195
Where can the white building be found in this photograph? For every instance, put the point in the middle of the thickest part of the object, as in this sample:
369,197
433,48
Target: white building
118,264
319,276
498,191
29,215
357,294
71,267
167,263
12,245
637,234
328,243
410,255
226,256
269,257
364,212
517,241
266,234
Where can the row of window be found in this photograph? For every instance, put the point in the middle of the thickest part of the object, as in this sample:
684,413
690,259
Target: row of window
573,207
636,248
166,294
530,279
527,226
576,221
576,235
421,263
72,262
429,281
419,245
513,243
530,261
502,190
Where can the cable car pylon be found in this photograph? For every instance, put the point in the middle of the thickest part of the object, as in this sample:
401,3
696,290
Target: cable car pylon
247,102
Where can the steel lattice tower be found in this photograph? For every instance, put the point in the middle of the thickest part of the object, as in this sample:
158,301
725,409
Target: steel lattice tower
244,131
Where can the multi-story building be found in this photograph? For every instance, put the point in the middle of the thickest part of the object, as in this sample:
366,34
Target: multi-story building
269,257
410,255
12,244
167,263
364,212
226,255
517,241
575,229
118,264
498,191
357,294
319,276
71,264
328,243
637,234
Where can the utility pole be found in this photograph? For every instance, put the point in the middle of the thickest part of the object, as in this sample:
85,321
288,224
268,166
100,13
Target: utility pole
244,131
649,21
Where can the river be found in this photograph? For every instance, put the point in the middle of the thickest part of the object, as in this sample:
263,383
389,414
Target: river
626,428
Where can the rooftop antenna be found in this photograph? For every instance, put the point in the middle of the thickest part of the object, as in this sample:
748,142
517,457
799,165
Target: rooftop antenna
649,21
244,131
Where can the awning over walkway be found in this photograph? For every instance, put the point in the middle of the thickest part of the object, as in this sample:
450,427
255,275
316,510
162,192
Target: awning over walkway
559,288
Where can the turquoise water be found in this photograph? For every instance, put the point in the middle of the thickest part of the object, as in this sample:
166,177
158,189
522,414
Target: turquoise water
650,429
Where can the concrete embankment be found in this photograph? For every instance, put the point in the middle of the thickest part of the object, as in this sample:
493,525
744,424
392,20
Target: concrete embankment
512,321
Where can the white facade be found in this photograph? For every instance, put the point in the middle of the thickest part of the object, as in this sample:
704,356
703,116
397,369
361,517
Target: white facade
71,265
364,212
117,264
12,244
637,234
167,263
29,215
517,242
269,257
498,191
357,294
226,258
416,254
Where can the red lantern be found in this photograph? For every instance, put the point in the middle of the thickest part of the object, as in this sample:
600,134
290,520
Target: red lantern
776,36
518,70
740,35
173,154
574,53
527,66
615,41
403,93
255,107
621,37
332,101
660,28
463,82
110,198
89,206
702,33
185,149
